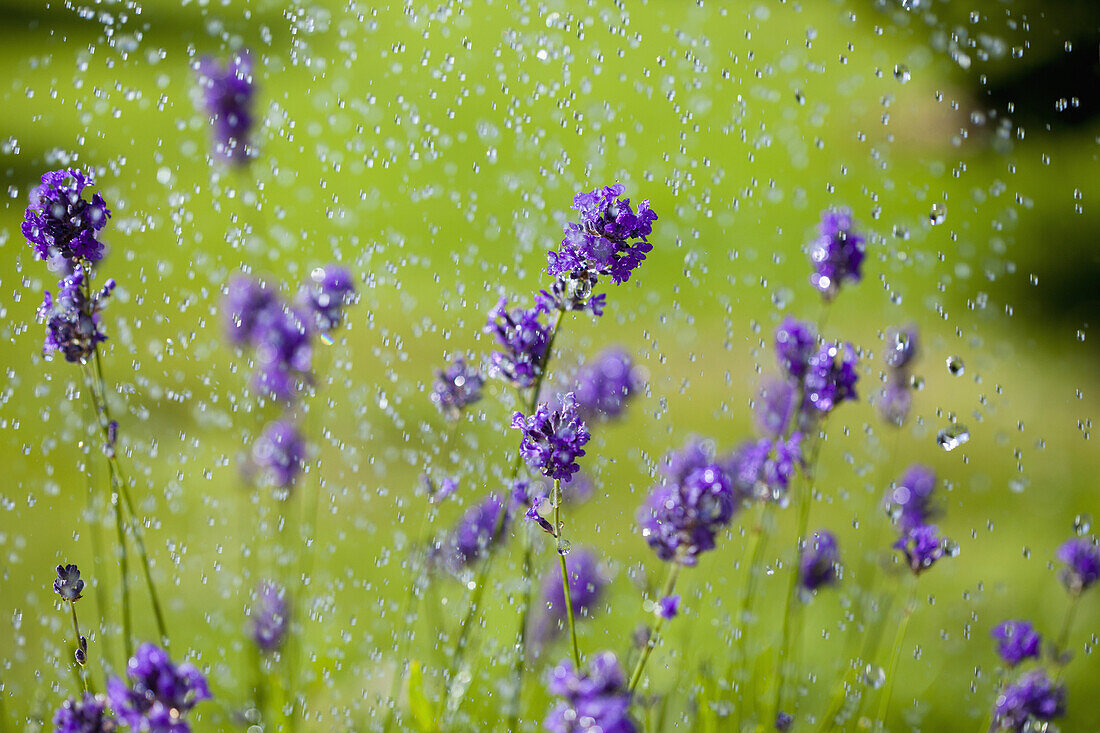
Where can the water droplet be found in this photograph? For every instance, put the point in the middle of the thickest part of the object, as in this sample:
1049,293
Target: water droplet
901,73
564,546
937,214
956,366
874,675
952,437
1082,524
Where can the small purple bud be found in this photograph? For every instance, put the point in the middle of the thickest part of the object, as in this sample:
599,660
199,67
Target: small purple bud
668,607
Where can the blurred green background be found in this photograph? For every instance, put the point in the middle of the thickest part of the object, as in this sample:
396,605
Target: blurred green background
434,149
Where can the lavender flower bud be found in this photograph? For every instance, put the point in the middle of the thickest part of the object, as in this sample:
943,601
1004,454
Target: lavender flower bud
68,584
837,254
1016,641
1081,556
228,96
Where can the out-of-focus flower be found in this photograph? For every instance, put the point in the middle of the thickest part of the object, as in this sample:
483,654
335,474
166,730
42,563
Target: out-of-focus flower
837,254
270,617
279,453
159,694
819,562
604,386
523,340
596,699
1034,698
228,96
1082,558
1016,641
456,387
330,289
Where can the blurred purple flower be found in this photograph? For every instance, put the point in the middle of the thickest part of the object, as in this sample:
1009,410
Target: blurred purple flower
84,715
604,386
228,96
60,221
329,290
1082,558
668,607
159,694
474,534
819,562
775,405
456,387
596,699
586,586
910,500
523,339
837,254
831,377
270,617
1030,699
763,469
795,343
922,547
279,453
1016,641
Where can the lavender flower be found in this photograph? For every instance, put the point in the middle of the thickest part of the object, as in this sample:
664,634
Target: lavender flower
831,377
921,546
474,535
246,306
668,607
837,254
895,398
610,238
326,294
596,699
72,321
159,694
573,292
794,345
436,494
1082,558
228,96
819,562
902,347
553,440
270,617
60,221
604,386
279,453
586,586
911,498
680,519
1016,641
456,387
84,715
1032,698
68,584
783,722
775,406
763,469
523,339
894,402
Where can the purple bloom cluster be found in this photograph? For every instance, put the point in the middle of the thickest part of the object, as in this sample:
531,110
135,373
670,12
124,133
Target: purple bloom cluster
604,386
596,699
68,585
763,468
84,715
896,397
795,343
474,535
922,547
270,617
553,439
1081,556
228,96
279,454
910,500
1016,641
281,335
60,221
159,693
775,406
609,239
456,387
837,254
682,515
831,377
668,607
72,320
1032,698
523,339
586,585
819,562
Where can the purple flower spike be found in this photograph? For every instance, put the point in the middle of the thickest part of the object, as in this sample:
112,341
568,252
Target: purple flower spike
474,535
456,387
270,617
68,584
1082,558
72,320
1016,641
895,398
159,694
763,469
910,500
902,347
329,290
596,699
228,96
280,453
922,547
795,342
1030,699
523,339
783,722
775,406
668,607
680,518
59,221
819,562
831,377
85,715
605,385
247,302
609,239
553,440
837,254
586,586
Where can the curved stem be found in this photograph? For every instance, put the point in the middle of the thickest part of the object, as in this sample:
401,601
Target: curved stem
670,584
124,575
565,574
1067,624
76,630
907,613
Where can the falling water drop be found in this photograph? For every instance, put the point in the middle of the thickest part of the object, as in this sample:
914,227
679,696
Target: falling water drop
938,213
956,366
1082,524
901,73
952,437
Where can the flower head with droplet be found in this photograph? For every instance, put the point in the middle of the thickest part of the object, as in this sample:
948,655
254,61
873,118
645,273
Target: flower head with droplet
1016,641
72,319
279,454
1081,556
523,339
921,546
831,377
910,499
553,440
837,254
158,694
60,221
474,535
68,584
329,290
819,562
229,92
795,343
763,469
895,398
1033,698
595,698
456,387
604,386
87,714
269,617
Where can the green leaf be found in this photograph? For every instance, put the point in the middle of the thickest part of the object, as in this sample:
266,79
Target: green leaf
419,706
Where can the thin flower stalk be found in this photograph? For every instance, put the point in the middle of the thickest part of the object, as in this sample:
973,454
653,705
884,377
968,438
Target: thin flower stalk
647,650
80,647
561,548
895,654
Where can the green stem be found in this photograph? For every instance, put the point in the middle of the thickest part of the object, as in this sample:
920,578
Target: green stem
565,573
1067,624
907,613
670,584
521,643
761,533
76,630
124,575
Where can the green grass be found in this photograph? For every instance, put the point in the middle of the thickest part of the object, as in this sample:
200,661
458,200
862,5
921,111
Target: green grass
437,156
